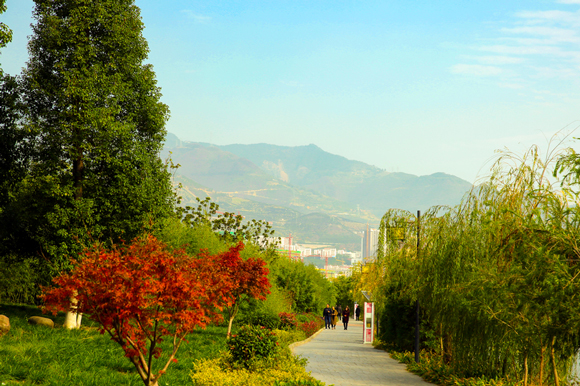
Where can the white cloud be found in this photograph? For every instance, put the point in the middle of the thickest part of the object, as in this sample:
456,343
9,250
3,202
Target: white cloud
554,34
196,17
527,50
513,86
552,16
534,48
499,60
556,73
476,69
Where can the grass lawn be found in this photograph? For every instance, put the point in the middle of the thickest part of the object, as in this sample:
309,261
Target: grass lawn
36,355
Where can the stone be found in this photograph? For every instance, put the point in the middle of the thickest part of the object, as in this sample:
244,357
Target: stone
4,325
40,321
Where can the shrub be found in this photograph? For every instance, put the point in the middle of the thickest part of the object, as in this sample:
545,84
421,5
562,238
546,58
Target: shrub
287,370
287,337
309,328
260,318
432,369
287,320
18,280
253,342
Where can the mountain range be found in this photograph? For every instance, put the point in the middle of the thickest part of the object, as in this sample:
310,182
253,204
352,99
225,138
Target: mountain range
317,196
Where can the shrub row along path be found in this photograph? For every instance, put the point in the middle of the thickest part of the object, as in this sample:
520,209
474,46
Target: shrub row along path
339,357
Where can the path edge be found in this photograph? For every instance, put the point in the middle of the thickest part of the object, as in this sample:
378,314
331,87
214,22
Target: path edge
300,343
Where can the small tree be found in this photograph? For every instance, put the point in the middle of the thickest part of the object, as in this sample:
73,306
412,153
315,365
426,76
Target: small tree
141,293
250,280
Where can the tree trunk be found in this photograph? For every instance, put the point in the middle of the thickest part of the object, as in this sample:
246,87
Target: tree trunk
233,312
552,356
441,341
541,380
72,319
526,370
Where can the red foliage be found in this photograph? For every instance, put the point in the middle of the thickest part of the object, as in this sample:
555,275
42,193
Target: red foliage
250,279
142,292
287,320
309,328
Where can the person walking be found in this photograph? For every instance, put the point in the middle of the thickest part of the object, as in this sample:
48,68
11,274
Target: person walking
334,318
357,312
345,316
339,309
327,314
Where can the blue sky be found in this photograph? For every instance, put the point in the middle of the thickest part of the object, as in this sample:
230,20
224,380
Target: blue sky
410,86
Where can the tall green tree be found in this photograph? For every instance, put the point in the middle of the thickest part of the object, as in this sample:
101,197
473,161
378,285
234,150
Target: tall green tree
5,32
97,125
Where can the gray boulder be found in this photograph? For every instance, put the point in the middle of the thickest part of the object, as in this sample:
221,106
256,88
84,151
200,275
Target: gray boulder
4,325
40,321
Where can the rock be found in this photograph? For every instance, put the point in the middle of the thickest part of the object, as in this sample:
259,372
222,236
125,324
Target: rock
4,325
40,321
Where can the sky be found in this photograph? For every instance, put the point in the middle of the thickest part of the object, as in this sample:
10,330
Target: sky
408,86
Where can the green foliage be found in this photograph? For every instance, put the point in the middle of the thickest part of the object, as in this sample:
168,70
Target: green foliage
5,32
497,277
253,342
177,235
287,337
305,285
397,321
18,280
432,369
230,226
94,126
344,289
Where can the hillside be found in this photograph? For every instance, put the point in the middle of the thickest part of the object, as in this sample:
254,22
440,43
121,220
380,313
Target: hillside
353,182
303,190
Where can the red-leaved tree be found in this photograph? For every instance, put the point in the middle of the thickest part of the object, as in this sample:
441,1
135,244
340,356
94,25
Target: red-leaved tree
249,278
143,292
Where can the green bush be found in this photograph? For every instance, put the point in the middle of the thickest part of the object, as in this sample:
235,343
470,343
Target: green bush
432,369
18,281
260,318
286,370
253,342
287,337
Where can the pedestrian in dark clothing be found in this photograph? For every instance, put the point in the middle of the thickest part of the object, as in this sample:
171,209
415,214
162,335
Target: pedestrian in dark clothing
339,309
345,315
327,313
357,312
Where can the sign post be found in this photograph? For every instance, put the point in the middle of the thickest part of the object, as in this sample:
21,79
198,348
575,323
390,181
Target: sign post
368,322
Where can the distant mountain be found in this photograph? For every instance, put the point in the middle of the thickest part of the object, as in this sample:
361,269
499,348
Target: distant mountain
318,196
352,181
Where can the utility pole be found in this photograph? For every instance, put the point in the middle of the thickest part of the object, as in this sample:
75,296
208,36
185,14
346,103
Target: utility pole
417,309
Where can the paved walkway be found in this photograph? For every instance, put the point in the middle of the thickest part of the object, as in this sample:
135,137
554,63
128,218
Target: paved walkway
339,357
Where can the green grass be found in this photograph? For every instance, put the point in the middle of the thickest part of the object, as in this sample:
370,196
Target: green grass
35,355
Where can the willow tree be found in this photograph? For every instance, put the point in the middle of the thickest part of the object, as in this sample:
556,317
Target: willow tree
94,112
497,276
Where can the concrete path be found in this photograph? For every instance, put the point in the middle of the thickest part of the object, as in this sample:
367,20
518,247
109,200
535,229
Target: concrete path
339,357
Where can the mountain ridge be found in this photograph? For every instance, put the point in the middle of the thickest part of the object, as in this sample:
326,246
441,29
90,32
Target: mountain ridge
283,184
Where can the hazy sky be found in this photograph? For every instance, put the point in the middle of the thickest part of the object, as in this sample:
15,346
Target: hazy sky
411,86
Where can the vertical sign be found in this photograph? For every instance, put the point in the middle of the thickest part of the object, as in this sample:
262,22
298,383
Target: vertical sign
369,322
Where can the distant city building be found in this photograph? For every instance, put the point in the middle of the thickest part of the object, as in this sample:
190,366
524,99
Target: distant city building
325,252
370,243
